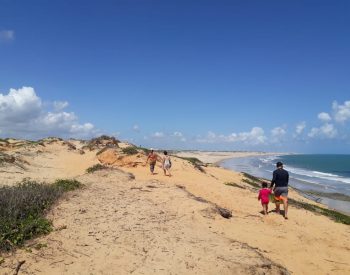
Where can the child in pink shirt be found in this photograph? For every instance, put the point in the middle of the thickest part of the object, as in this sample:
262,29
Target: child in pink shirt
264,197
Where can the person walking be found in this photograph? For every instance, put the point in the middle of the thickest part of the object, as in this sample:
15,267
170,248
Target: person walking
152,157
166,163
279,185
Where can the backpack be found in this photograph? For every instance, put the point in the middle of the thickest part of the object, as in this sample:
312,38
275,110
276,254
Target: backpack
168,162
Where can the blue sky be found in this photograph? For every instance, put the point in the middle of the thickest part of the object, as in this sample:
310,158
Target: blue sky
225,75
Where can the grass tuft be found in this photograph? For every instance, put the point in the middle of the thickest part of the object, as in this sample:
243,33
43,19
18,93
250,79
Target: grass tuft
253,181
195,162
23,208
67,185
233,185
130,150
332,214
96,167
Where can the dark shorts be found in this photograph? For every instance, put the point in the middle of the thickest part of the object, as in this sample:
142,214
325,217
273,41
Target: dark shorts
281,192
151,166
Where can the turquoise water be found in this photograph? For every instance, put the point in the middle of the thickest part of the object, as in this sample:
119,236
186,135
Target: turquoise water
315,173
333,165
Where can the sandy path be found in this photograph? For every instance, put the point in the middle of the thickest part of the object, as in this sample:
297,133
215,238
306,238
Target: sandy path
119,226
306,244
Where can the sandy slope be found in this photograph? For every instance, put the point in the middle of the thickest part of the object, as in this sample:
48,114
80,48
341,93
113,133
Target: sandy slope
149,225
118,226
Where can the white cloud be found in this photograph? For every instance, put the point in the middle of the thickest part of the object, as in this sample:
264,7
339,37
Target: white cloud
299,129
60,105
19,105
326,131
341,112
177,134
255,137
7,35
22,115
136,128
277,134
158,135
324,117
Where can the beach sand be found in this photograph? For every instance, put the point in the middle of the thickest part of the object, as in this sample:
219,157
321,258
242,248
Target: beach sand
127,221
215,157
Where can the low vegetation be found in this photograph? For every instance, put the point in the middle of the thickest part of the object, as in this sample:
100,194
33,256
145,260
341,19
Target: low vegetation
23,208
145,150
66,185
195,162
252,181
102,150
233,184
96,167
332,214
130,150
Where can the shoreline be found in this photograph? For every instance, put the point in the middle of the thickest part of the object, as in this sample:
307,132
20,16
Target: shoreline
217,157
122,197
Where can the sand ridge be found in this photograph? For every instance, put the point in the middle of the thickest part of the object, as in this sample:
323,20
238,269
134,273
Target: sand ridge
121,224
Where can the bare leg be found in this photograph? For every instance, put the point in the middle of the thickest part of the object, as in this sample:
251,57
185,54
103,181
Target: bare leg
265,209
285,207
277,208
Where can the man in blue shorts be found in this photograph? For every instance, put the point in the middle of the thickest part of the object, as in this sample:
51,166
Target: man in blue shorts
279,185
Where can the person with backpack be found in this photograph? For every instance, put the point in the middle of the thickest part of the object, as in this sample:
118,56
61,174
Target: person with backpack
166,164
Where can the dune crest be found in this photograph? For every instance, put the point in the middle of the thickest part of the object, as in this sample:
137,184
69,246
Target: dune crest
127,221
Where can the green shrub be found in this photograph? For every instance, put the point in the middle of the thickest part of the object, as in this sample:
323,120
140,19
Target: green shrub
332,214
130,150
192,160
251,180
233,184
145,150
195,162
102,150
23,208
96,167
67,185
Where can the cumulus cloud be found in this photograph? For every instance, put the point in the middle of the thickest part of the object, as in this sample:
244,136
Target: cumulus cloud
341,112
60,105
22,114
299,129
7,35
255,136
325,131
277,134
179,135
158,135
136,128
19,105
324,117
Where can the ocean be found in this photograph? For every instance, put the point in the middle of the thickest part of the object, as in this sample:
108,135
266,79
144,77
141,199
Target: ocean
324,178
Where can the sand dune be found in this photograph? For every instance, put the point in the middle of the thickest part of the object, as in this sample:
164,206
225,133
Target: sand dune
144,224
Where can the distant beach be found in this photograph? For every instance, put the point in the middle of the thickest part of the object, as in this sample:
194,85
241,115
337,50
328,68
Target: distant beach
322,178
218,156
